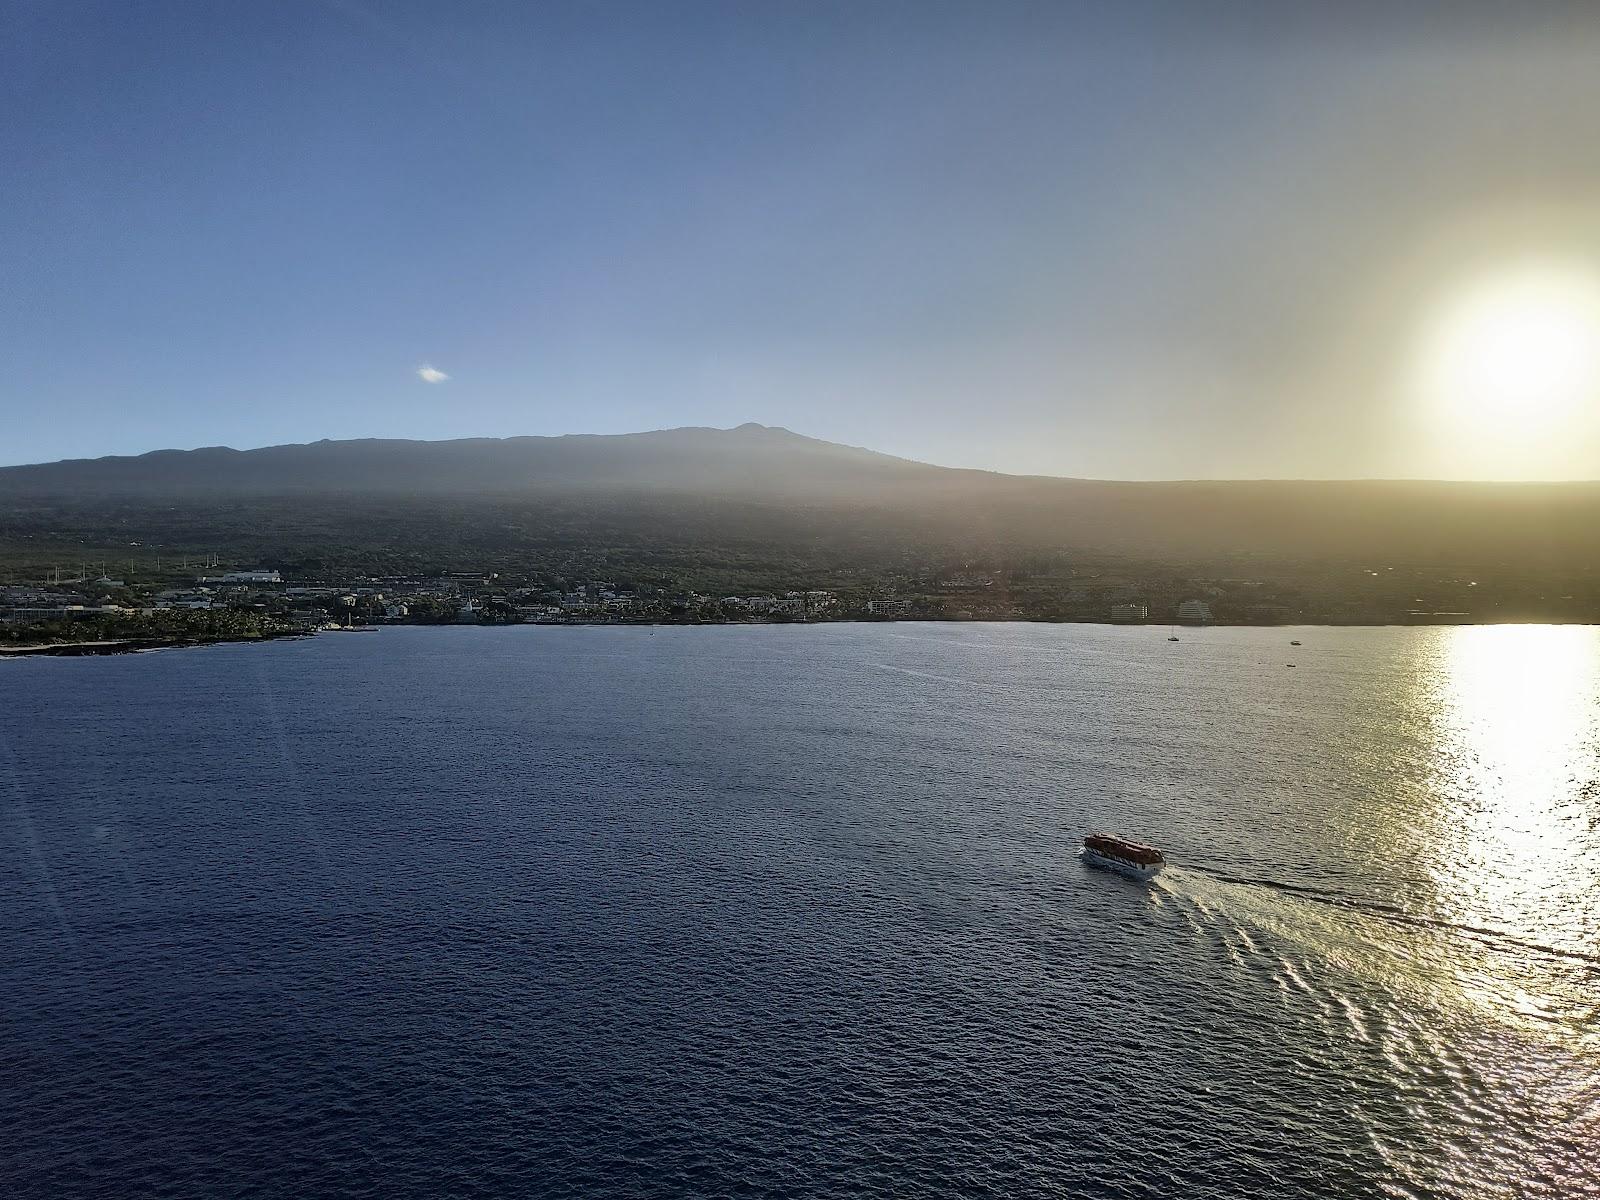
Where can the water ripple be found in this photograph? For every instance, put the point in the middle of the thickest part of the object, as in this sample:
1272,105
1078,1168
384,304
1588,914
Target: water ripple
793,912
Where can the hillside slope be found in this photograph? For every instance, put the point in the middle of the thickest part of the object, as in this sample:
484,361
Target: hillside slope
757,484
752,459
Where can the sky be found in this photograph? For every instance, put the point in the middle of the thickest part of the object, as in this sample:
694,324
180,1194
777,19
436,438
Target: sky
1118,241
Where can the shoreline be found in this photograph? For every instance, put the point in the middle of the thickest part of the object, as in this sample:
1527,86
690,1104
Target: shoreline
109,646
100,649
1150,625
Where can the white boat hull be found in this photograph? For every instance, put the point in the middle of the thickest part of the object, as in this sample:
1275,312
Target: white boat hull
1132,870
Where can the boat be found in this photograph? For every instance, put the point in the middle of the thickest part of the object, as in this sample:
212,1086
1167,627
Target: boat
1294,643
1133,859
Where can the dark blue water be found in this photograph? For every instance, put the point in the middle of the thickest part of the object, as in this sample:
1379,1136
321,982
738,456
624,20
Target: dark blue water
793,911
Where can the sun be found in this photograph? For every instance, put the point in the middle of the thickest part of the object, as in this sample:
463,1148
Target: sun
1515,354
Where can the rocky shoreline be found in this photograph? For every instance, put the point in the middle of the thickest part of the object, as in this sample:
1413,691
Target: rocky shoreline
130,645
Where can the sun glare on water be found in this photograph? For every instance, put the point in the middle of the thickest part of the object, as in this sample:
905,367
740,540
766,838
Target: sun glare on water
1513,359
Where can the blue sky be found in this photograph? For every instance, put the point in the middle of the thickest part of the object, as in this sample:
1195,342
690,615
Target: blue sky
1158,243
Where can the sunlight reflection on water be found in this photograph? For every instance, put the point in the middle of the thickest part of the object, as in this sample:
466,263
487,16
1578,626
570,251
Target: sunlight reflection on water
1516,716
1517,720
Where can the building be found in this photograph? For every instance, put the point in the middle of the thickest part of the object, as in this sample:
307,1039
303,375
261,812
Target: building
184,601
62,612
247,577
1130,612
1194,612
888,608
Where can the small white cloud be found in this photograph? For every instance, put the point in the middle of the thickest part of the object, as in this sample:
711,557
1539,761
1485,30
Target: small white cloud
430,374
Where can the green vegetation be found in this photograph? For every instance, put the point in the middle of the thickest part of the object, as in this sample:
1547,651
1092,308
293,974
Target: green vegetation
662,552
167,627
673,520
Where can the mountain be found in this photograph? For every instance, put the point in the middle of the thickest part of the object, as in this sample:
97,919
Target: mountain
750,460
703,490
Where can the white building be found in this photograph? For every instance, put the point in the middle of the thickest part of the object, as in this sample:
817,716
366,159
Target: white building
247,577
1130,612
1194,612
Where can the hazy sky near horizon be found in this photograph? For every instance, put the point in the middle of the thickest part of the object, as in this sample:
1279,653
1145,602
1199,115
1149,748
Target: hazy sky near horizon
1134,240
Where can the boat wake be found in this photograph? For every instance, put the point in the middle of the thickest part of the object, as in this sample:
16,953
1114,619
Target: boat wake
1366,905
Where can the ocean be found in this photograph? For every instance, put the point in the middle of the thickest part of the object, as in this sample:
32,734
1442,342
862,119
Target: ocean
795,911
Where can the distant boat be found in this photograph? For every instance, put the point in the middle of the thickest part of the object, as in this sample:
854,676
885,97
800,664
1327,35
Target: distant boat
1173,638
1133,859
1294,643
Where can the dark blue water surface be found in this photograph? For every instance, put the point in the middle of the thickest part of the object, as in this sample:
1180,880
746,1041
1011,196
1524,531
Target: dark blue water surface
793,911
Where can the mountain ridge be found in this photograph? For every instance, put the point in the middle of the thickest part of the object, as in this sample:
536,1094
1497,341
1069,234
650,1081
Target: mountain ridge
686,456
20,471
771,484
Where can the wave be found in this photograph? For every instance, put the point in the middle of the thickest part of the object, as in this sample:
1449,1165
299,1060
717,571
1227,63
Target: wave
1385,910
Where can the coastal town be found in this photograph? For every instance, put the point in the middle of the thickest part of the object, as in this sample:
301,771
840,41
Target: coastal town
182,602
217,603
